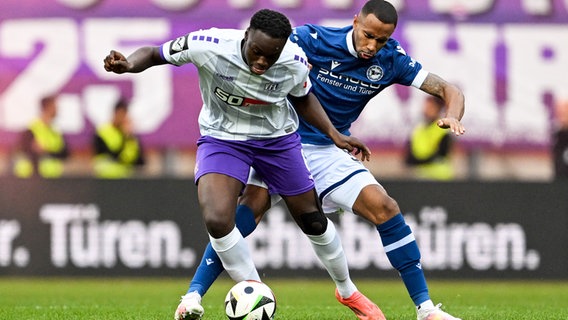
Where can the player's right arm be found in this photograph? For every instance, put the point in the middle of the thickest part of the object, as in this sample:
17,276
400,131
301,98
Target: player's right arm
452,96
140,60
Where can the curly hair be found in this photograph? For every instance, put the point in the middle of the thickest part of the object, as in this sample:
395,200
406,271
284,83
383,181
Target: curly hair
273,23
383,10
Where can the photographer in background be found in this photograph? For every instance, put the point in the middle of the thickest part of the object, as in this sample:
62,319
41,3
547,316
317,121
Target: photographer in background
429,148
118,151
42,148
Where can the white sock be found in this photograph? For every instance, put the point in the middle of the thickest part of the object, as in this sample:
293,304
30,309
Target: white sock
330,252
428,304
193,295
234,253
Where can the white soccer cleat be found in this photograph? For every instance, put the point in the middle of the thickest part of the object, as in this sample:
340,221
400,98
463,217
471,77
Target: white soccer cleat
190,307
434,313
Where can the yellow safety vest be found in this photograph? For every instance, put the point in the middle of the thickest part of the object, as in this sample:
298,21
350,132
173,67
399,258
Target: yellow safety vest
128,151
49,140
425,141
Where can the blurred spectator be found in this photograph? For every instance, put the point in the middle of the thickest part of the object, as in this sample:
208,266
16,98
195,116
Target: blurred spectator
429,147
42,148
560,140
118,151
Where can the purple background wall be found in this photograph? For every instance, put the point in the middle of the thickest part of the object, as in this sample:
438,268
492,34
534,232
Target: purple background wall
509,58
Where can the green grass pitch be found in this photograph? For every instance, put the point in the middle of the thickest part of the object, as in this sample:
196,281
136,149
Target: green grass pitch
140,298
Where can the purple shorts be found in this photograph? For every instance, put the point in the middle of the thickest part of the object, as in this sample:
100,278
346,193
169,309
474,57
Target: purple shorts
279,161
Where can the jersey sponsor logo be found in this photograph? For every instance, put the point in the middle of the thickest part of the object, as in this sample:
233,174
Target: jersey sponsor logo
226,78
375,73
237,101
178,45
335,64
347,79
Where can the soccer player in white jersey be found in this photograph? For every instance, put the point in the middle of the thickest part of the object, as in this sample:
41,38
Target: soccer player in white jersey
252,84
350,66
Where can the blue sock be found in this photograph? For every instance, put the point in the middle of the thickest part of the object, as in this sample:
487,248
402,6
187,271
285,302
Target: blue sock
404,255
211,267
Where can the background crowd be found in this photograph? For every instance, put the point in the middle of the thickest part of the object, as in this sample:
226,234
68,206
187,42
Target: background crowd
431,154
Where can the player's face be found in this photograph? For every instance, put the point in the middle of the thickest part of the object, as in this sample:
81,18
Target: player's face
369,35
260,51
120,116
50,109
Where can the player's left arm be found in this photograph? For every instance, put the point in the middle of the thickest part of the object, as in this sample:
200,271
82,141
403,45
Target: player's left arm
454,99
309,108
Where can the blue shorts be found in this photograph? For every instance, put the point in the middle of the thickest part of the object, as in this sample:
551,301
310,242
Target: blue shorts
279,161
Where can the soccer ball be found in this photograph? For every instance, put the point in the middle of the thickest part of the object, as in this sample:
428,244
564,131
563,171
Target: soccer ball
250,300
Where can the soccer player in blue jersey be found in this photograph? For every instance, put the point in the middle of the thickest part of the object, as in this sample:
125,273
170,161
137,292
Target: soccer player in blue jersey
252,84
365,58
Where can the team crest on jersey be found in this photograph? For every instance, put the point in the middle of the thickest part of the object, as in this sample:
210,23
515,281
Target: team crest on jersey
271,86
178,45
375,73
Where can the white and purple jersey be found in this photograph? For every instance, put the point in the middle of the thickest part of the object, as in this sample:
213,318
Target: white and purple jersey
237,104
344,83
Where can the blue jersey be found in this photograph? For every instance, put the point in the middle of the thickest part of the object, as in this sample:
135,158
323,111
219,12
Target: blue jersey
344,83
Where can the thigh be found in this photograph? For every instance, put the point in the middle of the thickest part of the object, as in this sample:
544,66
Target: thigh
221,171
217,194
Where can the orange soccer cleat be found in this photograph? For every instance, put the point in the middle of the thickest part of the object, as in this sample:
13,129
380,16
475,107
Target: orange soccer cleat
364,308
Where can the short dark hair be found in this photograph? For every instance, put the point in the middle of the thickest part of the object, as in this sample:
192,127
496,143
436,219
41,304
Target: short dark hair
121,104
383,10
271,22
47,100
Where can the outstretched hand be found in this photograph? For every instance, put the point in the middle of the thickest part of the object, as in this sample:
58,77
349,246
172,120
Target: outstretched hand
453,124
354,146
116,62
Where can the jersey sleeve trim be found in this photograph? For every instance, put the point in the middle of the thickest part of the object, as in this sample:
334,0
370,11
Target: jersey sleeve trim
419,79
162,55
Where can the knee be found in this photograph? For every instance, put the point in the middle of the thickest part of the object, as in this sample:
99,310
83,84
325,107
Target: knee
217,226
378,208
314,223
388,209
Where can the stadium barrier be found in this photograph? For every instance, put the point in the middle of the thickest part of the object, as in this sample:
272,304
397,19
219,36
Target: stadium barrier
88,227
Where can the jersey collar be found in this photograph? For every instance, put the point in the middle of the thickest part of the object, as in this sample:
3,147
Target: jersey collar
349,40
